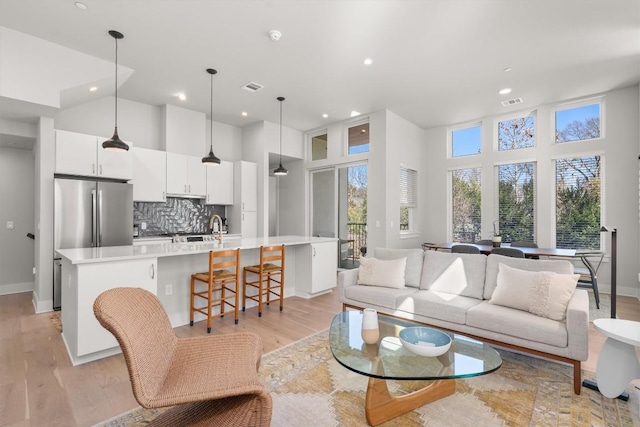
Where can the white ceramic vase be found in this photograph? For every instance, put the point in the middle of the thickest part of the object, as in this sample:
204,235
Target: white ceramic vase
370,329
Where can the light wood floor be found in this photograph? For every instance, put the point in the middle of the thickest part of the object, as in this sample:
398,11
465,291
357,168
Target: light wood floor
38,385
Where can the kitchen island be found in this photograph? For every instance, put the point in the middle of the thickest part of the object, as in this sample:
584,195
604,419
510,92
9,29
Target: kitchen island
165,269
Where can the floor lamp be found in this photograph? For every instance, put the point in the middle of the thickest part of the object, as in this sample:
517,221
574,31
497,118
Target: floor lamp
614,269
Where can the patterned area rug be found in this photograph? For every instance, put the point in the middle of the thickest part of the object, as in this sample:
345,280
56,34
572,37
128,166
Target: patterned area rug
310,389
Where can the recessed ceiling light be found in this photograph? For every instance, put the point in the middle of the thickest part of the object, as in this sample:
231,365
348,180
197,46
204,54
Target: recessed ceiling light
354,113
325,115
507,69
244,114
81,5
368,61
93,88
181,96
504,91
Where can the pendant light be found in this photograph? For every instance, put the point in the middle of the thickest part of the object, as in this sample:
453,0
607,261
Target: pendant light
115,143
211,159
280,170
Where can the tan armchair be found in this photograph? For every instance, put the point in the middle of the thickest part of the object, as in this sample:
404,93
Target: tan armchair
213,378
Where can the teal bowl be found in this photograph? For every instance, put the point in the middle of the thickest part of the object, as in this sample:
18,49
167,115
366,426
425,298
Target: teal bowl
425,341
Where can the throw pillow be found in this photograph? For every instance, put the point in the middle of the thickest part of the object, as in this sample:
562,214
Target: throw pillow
456,274
413,269
385,273
543,293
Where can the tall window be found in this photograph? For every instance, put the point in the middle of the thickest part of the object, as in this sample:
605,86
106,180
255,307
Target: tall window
466,204
516,133
408,198
578,202
359,139
517,201
466,142
578,123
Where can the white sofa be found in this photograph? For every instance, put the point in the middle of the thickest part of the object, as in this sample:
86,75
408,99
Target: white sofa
453,292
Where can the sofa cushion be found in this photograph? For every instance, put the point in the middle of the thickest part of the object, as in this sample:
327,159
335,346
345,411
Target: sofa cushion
438,305
457,274
373,295
543,293
517,323
493,261
386,273
413,269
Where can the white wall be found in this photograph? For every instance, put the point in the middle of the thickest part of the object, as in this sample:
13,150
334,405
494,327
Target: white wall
619,146
17,174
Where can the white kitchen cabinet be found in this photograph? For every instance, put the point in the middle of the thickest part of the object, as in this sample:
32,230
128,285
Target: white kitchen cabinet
243,217
83,155
149,175
316,268
220,184
82,283
186,175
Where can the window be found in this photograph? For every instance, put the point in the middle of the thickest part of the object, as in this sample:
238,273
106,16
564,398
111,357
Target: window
408,198
359,139
578,123
467,141
466,204
516,133
319,147
516,201
578,202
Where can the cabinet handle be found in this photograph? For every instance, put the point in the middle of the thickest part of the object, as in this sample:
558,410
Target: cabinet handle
185,188
243,205
314,251
100,169
189,188
163,196
153,271
93,168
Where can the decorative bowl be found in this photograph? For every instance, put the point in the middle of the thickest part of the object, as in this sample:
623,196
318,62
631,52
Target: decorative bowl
425,341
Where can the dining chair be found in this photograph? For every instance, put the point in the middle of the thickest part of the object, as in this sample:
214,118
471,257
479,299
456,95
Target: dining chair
464,249
589,273
209,380
511,252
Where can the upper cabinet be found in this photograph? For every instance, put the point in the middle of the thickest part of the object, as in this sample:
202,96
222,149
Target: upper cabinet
220,184
186,175
149,175
246,189
83,155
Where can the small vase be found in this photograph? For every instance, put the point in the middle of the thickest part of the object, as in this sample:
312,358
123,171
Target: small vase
370,329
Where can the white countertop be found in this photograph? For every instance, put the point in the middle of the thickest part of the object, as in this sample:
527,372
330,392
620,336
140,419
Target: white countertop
157,250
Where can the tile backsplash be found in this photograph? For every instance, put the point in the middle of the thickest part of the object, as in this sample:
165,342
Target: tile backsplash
176,215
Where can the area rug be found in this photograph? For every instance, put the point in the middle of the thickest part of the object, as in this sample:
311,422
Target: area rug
604,312
310,389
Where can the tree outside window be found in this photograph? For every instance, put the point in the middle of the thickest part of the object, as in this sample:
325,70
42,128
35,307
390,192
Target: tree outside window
516,133
466,204
578,123
517,201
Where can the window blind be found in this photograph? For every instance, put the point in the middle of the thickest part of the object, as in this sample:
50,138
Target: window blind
515,200
408,187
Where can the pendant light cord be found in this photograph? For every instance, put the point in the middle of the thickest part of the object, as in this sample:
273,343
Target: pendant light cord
211,123
116,83
280,133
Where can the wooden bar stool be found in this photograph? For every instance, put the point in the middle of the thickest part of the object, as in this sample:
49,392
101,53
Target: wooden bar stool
222,286
269,280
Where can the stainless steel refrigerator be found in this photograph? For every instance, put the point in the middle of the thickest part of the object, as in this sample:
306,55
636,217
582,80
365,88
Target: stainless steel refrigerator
89,213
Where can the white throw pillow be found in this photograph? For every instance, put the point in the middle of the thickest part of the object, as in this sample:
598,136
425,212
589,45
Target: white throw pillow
543,293
386,273
413,269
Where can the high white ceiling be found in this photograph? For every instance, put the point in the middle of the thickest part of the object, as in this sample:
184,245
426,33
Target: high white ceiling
435,62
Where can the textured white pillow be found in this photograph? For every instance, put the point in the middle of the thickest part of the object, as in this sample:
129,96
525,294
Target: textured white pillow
543,293
413,269
386,273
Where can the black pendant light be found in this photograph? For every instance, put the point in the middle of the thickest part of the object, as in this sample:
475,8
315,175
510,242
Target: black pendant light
115,143
211,159
280,170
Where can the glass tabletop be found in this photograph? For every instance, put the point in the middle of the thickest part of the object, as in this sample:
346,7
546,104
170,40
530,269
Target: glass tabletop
388,359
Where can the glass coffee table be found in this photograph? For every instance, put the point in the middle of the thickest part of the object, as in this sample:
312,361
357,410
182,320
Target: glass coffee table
389,360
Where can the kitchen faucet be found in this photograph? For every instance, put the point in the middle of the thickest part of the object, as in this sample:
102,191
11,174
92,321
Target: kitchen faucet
218,237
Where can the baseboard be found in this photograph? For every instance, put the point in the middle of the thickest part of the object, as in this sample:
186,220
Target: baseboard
41,306
17,288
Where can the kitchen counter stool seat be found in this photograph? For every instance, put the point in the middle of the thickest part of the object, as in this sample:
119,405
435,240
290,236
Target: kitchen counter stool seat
269,278
222,287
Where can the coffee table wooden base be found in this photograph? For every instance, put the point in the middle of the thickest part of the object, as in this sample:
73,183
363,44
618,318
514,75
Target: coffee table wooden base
381,406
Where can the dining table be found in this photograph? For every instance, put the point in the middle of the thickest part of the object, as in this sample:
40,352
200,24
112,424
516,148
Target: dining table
486,249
